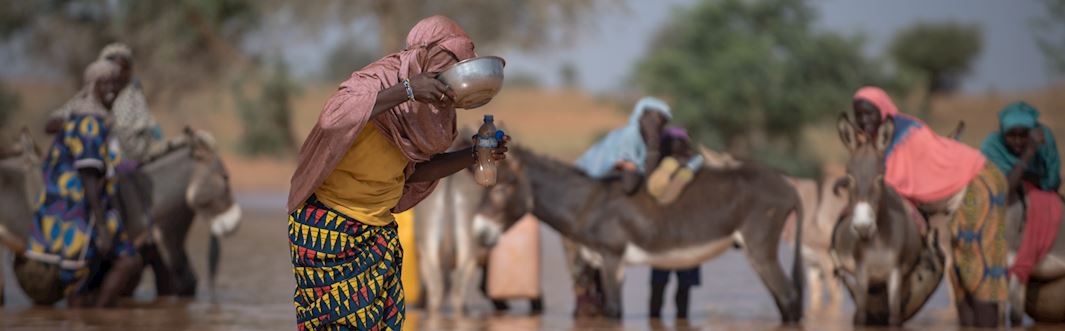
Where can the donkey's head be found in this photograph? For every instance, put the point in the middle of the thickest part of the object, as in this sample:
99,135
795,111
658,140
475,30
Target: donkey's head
208,193
865,173
20,172
21,188
510,198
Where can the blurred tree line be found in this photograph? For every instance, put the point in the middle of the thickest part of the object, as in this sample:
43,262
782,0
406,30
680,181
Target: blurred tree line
941,53
1050,33
180,45
749,76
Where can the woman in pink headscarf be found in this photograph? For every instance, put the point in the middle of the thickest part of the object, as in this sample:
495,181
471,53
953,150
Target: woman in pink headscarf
941,175
377,149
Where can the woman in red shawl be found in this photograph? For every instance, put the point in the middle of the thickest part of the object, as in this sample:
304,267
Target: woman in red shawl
941,175
377,149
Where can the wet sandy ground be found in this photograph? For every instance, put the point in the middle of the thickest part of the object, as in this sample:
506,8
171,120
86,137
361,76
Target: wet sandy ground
254,292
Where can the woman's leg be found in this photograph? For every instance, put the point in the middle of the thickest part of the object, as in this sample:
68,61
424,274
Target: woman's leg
682,300
659,279
686,279
122,271
353,280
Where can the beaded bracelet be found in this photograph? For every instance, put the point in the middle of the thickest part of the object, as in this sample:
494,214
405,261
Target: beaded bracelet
410,91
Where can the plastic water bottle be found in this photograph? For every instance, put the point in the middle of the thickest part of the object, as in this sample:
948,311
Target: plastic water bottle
487,140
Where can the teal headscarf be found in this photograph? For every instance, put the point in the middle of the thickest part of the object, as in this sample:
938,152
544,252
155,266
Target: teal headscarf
1045,165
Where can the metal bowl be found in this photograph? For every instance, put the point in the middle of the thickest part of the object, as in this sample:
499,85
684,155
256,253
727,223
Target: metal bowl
475,81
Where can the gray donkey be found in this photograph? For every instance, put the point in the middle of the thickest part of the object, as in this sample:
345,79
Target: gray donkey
188,181
746,205
185,181
878,250
451,240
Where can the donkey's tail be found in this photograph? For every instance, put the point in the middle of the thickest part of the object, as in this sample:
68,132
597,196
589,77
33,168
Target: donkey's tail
797,270
223,225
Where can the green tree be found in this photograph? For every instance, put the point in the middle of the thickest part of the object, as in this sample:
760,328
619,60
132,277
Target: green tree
524,23
750,75
349,55
267,117
176,44
941,52
568,75
1050,33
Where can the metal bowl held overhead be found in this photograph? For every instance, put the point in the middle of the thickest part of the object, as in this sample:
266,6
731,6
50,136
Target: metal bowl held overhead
475,81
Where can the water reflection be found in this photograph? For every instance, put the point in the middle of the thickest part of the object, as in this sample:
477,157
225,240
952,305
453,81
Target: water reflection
254,292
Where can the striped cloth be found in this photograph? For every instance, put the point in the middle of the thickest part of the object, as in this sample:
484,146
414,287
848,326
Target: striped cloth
978,232
347,273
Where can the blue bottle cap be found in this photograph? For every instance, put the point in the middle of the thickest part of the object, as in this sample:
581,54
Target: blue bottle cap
488,118
500,135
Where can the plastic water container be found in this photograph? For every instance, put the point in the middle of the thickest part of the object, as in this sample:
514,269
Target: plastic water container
487,140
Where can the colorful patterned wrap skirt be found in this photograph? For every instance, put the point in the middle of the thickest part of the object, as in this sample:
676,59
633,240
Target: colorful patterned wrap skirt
979,241
347,273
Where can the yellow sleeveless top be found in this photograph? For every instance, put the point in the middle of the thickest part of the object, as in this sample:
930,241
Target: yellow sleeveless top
368,181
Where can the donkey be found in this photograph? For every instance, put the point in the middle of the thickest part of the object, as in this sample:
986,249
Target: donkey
187,176
451,239
877,246
18,194
747,204
822,211
188,181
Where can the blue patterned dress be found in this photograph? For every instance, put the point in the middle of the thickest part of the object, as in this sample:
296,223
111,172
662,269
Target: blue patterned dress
62,230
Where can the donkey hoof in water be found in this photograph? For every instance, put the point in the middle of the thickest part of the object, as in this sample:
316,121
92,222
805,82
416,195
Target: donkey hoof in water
1016,317
793,314
612,311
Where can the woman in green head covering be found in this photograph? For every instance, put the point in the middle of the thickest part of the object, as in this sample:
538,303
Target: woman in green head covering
1025,151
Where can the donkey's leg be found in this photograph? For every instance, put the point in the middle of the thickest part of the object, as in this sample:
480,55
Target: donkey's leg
761,240
941,224
894,294
832,281
465,268
432,276
611,277
861,295
463,276
815,282
1016,294
183,276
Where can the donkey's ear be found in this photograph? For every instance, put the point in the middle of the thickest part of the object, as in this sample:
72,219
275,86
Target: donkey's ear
847,133
26,142
884,134
188,131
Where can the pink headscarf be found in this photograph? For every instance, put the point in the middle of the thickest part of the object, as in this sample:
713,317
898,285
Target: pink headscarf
878,98
923,166
419,130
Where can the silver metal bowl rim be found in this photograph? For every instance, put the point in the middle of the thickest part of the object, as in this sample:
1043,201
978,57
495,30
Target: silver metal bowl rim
501,60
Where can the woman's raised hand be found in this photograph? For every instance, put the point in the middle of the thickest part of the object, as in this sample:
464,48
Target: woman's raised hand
1036,135
430,90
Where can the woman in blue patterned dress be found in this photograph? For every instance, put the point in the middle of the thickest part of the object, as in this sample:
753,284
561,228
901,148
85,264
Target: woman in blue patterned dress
78,248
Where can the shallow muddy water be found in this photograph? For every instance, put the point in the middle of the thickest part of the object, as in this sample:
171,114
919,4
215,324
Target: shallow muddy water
254,292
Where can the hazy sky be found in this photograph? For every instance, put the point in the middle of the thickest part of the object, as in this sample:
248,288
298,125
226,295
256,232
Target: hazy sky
607,47
1010,59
